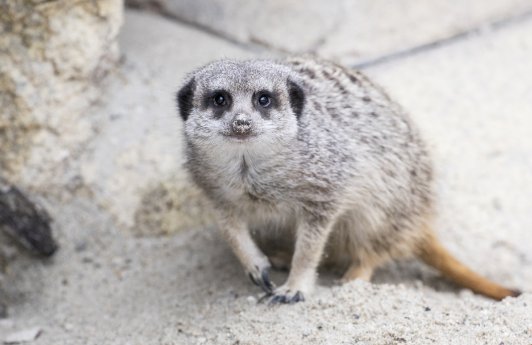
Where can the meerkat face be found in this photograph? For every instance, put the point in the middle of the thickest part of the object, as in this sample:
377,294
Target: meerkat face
241,103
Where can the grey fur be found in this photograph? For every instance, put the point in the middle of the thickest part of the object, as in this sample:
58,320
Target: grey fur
349,176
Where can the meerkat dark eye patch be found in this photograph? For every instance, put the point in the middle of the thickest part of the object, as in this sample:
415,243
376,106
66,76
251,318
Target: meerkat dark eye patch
296,97
217,99
264,99
184,99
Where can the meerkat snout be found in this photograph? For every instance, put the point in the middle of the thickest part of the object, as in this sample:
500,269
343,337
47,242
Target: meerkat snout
241,125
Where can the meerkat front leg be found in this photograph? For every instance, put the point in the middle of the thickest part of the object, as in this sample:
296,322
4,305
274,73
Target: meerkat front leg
256,264
310,243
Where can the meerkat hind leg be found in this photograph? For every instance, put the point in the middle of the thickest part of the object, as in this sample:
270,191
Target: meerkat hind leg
280,260
356,271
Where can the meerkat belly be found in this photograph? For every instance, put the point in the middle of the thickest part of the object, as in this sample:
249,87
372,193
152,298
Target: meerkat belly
272,224
371,236
270,218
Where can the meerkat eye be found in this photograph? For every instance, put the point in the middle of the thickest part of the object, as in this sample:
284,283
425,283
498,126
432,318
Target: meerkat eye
219,99
264,101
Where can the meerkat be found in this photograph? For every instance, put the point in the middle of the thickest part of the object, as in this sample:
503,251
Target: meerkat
307,163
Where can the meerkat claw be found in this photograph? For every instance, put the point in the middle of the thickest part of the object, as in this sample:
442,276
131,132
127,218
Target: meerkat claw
263,281
287,299
278,299
253,280
266,283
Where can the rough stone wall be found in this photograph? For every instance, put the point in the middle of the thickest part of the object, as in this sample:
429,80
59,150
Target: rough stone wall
52,55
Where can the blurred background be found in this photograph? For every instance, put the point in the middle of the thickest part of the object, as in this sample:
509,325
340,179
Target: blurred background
89,133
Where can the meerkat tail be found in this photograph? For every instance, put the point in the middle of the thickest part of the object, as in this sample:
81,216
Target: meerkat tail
435,255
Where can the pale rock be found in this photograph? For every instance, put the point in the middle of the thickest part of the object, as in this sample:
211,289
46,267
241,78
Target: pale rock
54,55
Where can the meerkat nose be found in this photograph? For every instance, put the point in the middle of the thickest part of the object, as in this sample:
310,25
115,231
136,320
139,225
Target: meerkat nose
241,125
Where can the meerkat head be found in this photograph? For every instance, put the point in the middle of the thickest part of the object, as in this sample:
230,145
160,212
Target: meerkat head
242,104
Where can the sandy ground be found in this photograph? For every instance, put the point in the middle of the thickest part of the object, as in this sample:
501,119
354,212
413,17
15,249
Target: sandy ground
472,100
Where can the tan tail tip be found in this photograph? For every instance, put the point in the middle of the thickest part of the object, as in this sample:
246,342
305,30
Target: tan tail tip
516,293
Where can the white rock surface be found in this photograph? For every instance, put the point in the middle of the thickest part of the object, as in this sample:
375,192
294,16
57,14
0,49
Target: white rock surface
351,31
291,26
372,29
24,336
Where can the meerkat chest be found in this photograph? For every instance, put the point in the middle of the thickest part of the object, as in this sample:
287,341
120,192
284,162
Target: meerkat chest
251,182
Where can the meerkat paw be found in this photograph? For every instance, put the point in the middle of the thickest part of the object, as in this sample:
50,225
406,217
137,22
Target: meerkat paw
285,295
260,276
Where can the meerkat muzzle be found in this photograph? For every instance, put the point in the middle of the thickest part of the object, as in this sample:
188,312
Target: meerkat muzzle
241,126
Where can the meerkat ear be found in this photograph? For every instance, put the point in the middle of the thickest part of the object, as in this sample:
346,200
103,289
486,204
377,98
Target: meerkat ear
184,99
297,97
